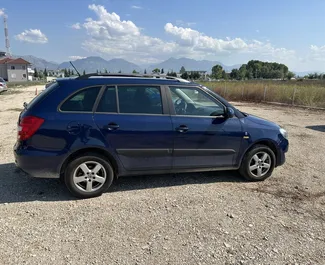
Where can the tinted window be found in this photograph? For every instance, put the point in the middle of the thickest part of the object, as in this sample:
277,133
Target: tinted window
81,101
193,101
108,101
140,99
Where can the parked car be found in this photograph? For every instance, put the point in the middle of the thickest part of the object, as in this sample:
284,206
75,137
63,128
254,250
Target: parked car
3,85
92,129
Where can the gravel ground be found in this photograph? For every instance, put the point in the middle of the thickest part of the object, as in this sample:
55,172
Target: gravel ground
201,218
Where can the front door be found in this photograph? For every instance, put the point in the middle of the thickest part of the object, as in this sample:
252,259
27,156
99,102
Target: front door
204,137
136,126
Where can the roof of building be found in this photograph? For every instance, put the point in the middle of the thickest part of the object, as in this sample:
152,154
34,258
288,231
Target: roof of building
13,61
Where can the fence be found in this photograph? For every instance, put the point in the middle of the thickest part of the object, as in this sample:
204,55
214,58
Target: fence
294,93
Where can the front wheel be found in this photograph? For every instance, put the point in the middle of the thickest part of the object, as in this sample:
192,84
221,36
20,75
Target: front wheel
258,164
88,176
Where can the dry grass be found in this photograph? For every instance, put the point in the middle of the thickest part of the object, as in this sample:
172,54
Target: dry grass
305,93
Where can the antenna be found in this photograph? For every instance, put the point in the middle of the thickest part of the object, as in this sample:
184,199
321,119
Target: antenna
6,35
75,68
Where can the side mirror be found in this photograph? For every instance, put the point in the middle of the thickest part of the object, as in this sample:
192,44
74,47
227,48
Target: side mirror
230,112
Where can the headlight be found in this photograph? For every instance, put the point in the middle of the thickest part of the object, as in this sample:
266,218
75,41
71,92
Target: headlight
284,133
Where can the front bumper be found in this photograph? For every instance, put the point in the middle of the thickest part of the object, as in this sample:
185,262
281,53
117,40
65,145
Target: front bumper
284,148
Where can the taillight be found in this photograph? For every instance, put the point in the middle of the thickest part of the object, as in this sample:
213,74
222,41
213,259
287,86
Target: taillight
28,126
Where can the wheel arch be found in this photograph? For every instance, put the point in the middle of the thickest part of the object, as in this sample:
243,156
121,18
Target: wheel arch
267,142
96,150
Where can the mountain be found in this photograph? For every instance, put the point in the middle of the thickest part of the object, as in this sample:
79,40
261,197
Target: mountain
94,63
38,63
173,64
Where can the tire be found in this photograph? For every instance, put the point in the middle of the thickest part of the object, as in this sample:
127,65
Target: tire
90,181
254,169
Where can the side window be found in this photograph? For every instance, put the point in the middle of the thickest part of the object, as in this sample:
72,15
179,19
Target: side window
140,99
108,101
82,101
193,101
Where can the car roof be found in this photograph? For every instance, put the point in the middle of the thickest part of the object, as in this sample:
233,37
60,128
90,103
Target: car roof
119,79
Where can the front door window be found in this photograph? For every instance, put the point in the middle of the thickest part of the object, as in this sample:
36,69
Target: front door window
194,102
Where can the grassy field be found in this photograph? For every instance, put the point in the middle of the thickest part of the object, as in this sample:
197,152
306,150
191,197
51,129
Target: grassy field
305,93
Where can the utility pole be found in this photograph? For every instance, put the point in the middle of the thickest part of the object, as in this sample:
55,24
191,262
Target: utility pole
6,35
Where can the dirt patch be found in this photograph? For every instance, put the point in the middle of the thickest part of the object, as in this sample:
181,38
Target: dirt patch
193,218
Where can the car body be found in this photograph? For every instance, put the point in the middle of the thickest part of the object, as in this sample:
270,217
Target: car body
92,129
3,85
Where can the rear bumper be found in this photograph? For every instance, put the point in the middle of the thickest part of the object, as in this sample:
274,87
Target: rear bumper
38,164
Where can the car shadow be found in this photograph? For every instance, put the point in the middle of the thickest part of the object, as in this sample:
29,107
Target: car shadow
16,186
319,128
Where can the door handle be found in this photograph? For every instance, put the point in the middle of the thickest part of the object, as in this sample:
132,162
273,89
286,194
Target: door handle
182,129
113,126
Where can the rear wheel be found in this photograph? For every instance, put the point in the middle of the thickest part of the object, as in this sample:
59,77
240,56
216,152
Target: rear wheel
258,164
88,176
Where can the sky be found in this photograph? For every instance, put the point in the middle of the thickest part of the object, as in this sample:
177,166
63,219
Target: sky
147,32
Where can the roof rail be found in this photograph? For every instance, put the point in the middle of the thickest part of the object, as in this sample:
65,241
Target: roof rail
87,76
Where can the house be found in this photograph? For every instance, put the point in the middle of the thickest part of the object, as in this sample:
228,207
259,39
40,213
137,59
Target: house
14,70
203,74
31,73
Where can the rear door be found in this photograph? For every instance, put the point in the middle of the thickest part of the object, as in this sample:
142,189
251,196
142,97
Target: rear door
135,123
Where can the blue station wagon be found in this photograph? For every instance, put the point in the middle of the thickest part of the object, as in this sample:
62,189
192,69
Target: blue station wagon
94,128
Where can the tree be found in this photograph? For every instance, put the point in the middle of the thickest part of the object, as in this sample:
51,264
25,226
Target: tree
182,71
194,75
97,71
45,72
242,72
185,75
72,73
290,75
66,73
145,71
234,74
217,71
156,71
40,74
172,74
35,73
162,70
224,75
120,72
134,72
84,73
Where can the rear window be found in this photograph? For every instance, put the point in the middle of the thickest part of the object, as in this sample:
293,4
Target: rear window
82,101
42,95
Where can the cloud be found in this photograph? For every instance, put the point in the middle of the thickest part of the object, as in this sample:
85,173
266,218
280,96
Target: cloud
2,12
76,26
136,7
317,53
111,36
182,23
32,36
76,57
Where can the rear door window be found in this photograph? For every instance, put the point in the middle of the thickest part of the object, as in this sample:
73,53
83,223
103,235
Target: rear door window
108,102
140,99
82,101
